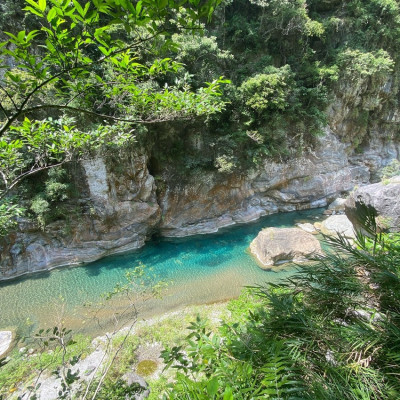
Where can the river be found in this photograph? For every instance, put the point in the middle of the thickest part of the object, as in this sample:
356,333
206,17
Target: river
199,269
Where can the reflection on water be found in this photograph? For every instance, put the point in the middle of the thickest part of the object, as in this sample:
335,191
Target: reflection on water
202,269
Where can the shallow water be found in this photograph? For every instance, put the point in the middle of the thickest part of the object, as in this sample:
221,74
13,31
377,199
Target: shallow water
200,269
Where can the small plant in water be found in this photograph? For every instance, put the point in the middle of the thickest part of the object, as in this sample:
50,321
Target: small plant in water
146,367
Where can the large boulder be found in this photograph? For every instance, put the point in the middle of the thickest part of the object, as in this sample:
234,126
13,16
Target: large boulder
383,198
338,224
274,246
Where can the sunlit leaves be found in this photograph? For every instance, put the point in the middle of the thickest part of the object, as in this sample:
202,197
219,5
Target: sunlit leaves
74,42
75,63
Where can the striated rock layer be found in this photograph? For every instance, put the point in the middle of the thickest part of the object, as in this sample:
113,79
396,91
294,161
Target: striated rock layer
305,182
119,206
117,213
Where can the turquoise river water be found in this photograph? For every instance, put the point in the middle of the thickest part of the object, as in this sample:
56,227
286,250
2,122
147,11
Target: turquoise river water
200,269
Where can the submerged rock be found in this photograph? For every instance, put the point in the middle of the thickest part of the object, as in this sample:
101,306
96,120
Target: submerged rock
307,227
338,224
274,246
383,198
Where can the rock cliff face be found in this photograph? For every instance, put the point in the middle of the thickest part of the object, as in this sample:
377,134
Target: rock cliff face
120,206
120,212
305,182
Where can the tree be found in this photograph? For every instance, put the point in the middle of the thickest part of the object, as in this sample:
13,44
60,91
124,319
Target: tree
96,61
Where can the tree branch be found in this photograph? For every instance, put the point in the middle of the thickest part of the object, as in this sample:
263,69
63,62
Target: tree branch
9,96
26,174
4,111
97,115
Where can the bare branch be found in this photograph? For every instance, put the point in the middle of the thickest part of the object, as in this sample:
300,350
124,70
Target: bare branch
29,173
9,96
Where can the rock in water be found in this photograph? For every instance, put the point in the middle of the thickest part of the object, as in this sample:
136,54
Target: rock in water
337,205
307,227
274,246
383,197
6,339
338,224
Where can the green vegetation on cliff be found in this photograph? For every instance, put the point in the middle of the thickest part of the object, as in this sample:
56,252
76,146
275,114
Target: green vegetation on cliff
125,71
295,67
97,65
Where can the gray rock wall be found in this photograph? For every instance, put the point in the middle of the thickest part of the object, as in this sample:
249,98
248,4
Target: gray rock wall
121,207
121,213
310,181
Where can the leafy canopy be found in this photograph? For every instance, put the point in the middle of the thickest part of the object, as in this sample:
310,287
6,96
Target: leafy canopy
98,61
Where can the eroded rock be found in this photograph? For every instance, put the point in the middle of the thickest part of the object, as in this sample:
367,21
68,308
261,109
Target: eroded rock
338,224
6,342
274,246
383,197
117,211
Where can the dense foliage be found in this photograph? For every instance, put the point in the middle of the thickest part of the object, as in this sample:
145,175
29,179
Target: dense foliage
121,66
330,332
98,65
287,60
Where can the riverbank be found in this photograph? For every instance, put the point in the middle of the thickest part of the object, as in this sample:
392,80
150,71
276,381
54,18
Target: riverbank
142,343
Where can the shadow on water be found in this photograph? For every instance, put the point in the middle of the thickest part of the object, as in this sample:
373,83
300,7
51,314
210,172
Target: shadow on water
40,275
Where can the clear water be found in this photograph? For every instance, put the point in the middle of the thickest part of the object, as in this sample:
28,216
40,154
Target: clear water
201,269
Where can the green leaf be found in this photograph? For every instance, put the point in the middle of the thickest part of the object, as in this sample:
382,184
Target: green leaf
138,8
33,4
228,395
33,11
212,387
21,36
79,8
42,5
52,13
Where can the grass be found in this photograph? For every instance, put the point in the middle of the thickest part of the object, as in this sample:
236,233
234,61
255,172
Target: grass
23,369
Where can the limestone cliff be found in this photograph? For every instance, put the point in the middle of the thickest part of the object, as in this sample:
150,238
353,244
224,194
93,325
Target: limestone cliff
121,206
119,214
